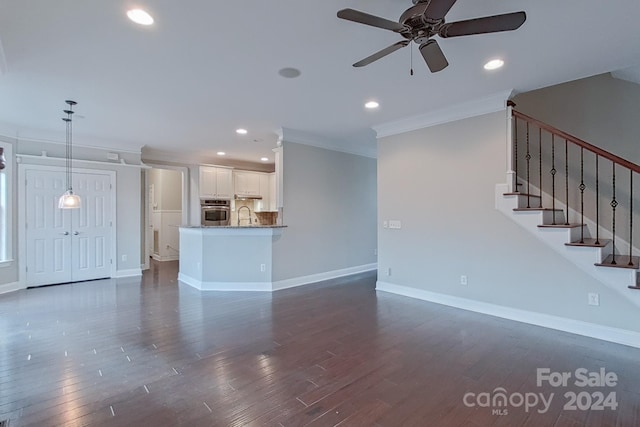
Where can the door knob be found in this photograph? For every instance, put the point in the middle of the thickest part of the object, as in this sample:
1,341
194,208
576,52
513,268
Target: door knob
75,233
66,233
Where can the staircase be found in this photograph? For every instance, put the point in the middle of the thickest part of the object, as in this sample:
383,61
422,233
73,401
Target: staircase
577,198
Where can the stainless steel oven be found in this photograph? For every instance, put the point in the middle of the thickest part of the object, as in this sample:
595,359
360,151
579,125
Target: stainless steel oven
215,212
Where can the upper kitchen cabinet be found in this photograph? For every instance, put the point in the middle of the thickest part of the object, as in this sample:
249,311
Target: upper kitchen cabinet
216,182
268,193
247,183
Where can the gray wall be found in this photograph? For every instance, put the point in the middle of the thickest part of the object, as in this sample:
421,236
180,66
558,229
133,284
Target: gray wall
167,188
440,183
330,211
600,109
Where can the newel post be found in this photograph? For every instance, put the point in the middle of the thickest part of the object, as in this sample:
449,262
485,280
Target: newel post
511,129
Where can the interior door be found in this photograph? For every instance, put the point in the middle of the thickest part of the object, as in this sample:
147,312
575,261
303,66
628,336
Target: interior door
67,245
48,239
91,228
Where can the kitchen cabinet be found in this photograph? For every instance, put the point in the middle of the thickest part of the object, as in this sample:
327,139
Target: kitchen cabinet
216,182
246,183
268,193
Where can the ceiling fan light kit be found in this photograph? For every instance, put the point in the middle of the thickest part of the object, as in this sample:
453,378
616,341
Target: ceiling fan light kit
424,20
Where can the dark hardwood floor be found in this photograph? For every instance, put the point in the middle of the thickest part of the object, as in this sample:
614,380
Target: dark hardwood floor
151,352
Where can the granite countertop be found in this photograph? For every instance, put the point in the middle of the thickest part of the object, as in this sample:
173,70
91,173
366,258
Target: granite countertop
233,226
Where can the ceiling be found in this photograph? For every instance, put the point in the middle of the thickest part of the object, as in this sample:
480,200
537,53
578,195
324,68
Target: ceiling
208,67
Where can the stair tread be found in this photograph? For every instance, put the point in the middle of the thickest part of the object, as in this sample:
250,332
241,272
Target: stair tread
590,243
560,225
516,193
622,261
536,209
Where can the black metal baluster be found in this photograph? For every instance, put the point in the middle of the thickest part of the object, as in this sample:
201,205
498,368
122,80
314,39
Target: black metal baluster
614,204
566,179
540,166
597,202
582,187
630,217
528,158
553,178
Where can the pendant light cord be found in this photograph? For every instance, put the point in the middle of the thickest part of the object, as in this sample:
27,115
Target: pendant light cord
69,148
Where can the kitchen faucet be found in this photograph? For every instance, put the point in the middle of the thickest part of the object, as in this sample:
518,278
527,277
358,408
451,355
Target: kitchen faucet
239,209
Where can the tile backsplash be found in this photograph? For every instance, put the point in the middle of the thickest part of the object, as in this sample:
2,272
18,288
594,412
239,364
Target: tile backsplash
257,218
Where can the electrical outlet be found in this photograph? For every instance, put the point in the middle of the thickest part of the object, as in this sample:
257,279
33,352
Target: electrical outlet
388,272
124,257
263,267
594,298
463,280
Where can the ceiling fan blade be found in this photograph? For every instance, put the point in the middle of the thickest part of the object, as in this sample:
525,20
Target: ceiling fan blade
433,56
374,21
381,53
488,24
437,9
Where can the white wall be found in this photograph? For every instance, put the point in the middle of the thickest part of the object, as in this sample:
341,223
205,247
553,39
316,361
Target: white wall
440,183
330,211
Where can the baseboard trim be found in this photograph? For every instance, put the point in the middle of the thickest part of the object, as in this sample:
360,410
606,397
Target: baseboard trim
225,286
319,277
592,330
10,287
132,272
274,286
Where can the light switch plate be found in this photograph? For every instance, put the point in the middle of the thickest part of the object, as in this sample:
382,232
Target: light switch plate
395,223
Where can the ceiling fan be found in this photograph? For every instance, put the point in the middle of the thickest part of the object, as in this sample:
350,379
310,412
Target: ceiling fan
424,20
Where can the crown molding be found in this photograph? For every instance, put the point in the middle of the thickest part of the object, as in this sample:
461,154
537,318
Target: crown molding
475,107
305,138
46,137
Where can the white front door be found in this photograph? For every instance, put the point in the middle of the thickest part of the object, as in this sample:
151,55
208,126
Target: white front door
67,245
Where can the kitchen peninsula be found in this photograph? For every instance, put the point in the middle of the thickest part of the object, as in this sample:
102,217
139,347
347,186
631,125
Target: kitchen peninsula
228,258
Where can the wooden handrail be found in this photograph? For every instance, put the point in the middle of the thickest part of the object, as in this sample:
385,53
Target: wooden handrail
577,141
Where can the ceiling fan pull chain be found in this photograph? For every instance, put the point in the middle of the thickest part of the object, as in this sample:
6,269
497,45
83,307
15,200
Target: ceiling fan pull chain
411,54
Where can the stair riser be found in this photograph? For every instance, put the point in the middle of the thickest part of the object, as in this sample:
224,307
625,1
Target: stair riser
547,217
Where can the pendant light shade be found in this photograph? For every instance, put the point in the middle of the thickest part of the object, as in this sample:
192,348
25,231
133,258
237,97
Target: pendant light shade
69,200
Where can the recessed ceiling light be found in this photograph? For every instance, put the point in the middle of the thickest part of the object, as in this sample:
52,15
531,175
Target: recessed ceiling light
494,64
289,73
221,153
140,16
371,105
264,159
241,131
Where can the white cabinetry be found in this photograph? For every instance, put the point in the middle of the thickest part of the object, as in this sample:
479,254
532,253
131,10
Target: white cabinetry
268,193
247,183
216,182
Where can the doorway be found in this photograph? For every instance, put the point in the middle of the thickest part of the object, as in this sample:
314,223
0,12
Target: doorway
165,193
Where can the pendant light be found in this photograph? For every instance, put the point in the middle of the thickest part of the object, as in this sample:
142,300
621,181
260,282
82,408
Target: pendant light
3,160
69,200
